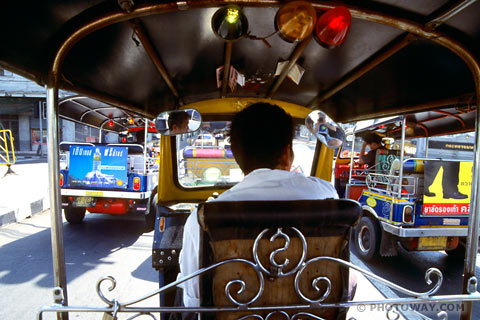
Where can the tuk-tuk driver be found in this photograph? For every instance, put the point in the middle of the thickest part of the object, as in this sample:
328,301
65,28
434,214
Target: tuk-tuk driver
178,122
261,139
374,141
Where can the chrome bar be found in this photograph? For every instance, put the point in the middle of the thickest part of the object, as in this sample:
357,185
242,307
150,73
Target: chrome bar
58,251
474,217
433,24
40,121
402,148
145,147
423,232
352,156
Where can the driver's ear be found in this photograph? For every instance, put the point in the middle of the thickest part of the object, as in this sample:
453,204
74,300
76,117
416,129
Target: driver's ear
286,158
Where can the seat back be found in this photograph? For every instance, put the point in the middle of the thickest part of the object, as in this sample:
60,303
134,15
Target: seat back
384,159
230,230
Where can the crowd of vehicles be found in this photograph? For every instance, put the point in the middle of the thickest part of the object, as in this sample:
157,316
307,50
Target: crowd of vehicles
354,61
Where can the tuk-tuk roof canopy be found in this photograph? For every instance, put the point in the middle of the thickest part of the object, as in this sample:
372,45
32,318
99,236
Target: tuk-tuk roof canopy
164,54
101,115
422,124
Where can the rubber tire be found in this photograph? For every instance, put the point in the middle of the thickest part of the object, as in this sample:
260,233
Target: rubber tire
74,215
367,238
151,215
457,253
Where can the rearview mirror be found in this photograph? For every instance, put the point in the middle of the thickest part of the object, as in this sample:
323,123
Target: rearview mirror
171,123
325,129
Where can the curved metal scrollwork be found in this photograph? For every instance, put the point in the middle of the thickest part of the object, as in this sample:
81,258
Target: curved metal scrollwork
278,268
143,314
314,285
320,284
392,285
242,286
392,313
113,285
284,314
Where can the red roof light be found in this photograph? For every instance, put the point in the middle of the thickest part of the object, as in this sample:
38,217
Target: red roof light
333,26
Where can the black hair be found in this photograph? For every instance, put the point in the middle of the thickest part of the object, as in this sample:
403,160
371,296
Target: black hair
177,118
259,135
309,121
373,137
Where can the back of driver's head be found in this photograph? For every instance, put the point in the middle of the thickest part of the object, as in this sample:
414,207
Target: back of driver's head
259,134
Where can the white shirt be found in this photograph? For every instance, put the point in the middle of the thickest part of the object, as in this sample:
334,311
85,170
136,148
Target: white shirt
260,184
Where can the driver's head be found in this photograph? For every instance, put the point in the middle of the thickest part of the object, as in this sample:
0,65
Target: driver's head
178,122
373,140
261,137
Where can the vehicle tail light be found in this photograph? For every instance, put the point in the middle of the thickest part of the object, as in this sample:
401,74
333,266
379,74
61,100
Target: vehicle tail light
136,183
452,242
131,203
161,226
410,244
61,180
408,214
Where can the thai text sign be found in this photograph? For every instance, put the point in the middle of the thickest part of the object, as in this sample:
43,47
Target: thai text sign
98,166
447,187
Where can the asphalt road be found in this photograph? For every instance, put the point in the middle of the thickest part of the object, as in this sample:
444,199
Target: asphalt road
102,245
408,270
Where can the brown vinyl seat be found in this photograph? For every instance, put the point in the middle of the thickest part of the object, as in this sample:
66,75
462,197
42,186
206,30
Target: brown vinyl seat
229,230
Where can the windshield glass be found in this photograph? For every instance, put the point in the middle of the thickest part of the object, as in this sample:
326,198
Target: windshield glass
204,158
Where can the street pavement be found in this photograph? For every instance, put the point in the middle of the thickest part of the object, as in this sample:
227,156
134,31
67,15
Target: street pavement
24,192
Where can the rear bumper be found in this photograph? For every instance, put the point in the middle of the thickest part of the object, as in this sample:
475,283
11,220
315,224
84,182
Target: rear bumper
106,194
424,232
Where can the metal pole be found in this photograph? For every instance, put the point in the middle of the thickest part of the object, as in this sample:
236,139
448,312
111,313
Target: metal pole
291,62
385,53
352,162
145,147
58,252
40,120
226,67
402,148
426,147
141,33
469,278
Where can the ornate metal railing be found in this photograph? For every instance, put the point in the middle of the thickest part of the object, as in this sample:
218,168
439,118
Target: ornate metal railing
114,307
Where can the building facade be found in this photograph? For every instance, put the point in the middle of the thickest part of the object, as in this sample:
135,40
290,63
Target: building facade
23,111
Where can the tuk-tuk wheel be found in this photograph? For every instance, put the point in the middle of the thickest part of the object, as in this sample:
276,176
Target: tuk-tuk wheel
457,253
74,215
151,215
367,238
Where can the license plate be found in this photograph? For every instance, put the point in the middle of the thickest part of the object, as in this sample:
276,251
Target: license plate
84,202
432,243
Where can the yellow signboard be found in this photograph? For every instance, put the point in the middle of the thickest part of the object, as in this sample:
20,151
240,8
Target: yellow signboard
447,188
7,151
